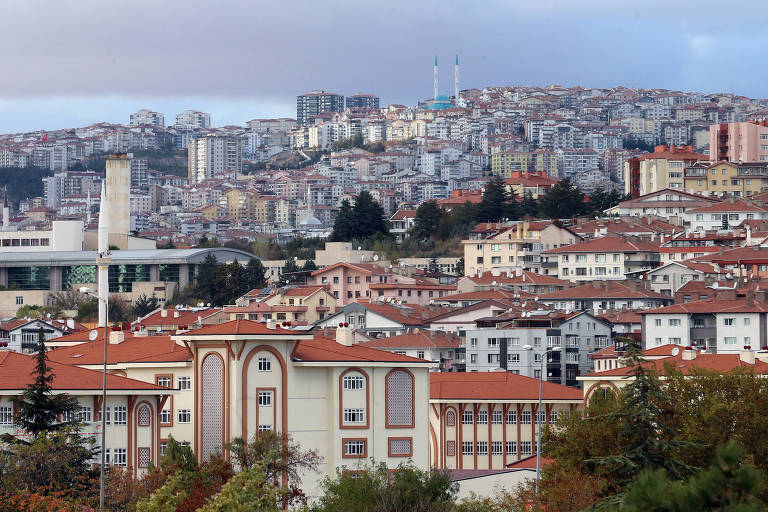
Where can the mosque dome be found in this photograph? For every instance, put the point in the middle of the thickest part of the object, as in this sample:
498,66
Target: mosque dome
441,102
310,221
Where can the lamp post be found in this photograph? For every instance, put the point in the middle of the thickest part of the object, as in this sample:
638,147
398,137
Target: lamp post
87,291
538,426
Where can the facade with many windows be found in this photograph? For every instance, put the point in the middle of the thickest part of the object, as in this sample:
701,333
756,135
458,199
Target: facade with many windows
348,402
486,420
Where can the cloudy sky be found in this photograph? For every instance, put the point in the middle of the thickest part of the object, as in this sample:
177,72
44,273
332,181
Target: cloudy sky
73,62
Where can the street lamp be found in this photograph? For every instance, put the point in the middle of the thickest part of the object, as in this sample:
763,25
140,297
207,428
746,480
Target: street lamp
94,334
538,434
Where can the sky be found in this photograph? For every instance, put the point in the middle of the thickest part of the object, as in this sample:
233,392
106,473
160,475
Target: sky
71,63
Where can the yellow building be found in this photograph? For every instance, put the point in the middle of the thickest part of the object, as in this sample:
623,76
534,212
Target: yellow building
726,179
506,163
661,169
240,204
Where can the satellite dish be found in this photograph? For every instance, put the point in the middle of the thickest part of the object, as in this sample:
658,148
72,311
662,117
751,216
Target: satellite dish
536,299
375,257
493,283
359,248
93,335
295,258
715,285
675,351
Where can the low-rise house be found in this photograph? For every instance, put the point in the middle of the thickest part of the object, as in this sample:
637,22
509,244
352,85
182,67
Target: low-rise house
22,334
459,319
411,290
529,282
377,319
667,203
687,246
623,322
401,223
669,278
487,420
601,296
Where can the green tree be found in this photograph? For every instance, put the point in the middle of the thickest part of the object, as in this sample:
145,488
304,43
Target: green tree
309,266
145,305
528,206
600,200
206,275
38,408
255,274
368,216
433,267
248,491
562,201
728,485
497,203
370,487
290,273
460,267
344,224
427,220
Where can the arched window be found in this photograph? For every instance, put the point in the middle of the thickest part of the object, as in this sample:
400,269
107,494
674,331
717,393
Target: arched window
212,402
399,399
144,416
450,418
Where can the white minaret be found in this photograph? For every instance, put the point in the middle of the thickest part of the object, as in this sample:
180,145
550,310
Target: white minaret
88,208
103,257
435,97
456,82
6,214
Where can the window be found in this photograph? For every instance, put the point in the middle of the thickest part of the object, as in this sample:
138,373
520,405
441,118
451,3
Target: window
420,354
553,417
657,341
185,383
450,448
399,392
493,358
19,300
6,415
265,364
482,447
729,340
355,448
497,417
496,447
746,321
165,416
144,416
482,417
450,419
164,382
467,448
467,417
511,447
729,321
265,427
265,398
352,382
473,358
674,341
354,415
472,342
525,447
163,448
121,457
513,358
121,415
525,418
109,414
541,417
84,414
674,322
493,342
184,416
400,447
537,342
511,417
514,342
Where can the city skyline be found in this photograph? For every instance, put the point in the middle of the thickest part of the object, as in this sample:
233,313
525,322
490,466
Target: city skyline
81,80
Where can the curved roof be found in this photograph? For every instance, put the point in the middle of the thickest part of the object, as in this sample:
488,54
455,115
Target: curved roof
128,257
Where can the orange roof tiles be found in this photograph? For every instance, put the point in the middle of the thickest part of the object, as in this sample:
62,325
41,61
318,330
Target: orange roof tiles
421,339
186,317
607,289
606,244
145,349
715,362
323,349
16,373
239,328
472,386
729,206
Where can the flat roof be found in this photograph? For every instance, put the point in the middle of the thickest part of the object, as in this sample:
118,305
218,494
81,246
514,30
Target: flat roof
128,257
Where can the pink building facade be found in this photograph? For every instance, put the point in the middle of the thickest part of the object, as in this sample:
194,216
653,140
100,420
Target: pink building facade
732,142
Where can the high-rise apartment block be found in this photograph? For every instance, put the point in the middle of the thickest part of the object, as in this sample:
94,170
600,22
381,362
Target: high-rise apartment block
212,155
363,101
309,105
193,119
146,117
739,142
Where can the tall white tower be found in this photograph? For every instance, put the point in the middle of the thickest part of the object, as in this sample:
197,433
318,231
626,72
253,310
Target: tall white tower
118,180
435,97
456,82
102,272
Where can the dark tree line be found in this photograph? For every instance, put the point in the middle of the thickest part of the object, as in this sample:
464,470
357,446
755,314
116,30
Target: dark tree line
222,283
363,220
23,182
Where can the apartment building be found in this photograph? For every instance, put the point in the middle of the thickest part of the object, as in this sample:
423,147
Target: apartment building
535,184
507,163
739,142
378,319
670,277
724,216
145,117
309,105
727,179
487,420
517,246
439,347
723,324
213,155
666,203
664,168
193,120
608,257
519,345
605,295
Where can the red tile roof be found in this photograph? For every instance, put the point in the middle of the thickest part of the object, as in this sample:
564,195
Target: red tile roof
711,306
16,373
486,295
729,206
606,244
145,349
323,349
715,362
525,278
421,339
606,289
403,214
367,268
472,386
302,291
406,314
186,317
240,327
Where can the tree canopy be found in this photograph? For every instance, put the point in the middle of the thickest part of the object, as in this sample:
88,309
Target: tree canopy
363,220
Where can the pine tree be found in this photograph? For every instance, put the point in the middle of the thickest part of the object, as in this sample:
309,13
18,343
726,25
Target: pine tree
255,274
528,207
344,225
368,217
427,220
562,201
497,203
145,305
38,408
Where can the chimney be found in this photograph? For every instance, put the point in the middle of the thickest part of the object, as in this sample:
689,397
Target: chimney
750,298
689,355
271,324
141,333
747,356
164,313
762,356
761,296
116,337
176,314
345,336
